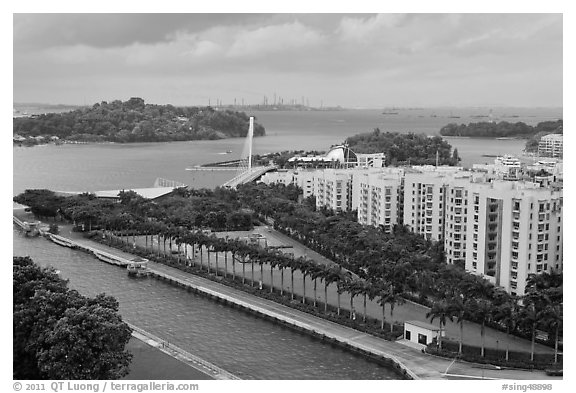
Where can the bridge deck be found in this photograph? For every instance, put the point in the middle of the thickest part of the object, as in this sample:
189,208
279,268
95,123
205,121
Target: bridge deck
248,176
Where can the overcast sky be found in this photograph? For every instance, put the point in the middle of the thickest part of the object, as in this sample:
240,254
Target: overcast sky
352,60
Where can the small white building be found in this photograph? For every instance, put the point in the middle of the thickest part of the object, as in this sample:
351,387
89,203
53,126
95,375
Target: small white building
420,332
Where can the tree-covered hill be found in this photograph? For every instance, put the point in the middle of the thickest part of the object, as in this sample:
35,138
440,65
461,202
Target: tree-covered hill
136,121
499,130
412,149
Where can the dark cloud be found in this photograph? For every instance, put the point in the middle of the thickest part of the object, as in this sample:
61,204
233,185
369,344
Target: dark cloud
34,31
368,56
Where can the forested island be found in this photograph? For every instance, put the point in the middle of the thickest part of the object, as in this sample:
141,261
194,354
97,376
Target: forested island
399,149
502,129
134,121
405,149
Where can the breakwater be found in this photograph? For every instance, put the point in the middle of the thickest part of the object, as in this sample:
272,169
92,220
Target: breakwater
182,355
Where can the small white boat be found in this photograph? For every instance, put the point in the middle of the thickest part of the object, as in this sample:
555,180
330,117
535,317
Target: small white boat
62,241
109,258
138,267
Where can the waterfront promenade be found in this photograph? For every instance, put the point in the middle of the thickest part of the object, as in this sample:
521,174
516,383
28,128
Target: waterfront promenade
402,312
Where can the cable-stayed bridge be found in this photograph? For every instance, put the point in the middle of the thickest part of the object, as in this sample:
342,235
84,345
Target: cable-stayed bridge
245,171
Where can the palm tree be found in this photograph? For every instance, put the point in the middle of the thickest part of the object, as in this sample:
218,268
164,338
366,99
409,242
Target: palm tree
535,305
392,296
243,271
507,314
273,261
356,287
294,265
217,248
382,293
482,309
444,312
306,268
553,318
334,274
252,257
226,249
461,310
316,272
476,287
283,262
343,285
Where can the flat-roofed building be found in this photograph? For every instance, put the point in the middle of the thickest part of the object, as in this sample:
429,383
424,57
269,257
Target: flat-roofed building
551,145
380,197
333,189
502,230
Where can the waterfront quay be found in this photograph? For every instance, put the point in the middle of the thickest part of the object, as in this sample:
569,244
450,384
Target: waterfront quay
410,361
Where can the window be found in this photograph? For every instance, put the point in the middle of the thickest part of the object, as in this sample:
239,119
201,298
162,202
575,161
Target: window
422,339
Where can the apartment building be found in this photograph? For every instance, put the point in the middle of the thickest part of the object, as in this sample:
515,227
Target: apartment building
333,189
303,178
501,230
380,196
514,229
551,145
424,200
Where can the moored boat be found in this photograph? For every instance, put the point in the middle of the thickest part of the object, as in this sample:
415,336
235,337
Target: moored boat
62,241
137,267
109,258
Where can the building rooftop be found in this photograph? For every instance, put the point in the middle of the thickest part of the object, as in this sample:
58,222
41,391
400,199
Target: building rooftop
424,325
148,193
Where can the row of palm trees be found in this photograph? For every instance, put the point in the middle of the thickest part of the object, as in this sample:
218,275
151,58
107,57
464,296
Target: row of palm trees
538,308
166,237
